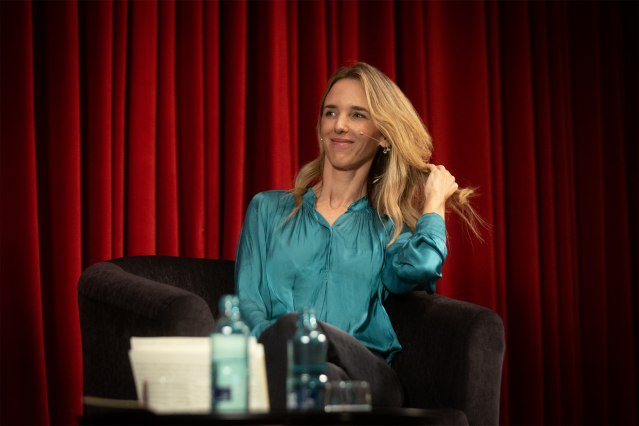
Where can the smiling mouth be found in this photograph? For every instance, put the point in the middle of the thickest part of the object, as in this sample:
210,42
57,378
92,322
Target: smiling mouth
341,142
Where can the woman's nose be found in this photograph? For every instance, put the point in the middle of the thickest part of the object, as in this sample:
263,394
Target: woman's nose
340,124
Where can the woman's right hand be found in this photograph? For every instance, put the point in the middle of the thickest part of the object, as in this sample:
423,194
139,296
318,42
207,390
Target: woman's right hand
439,186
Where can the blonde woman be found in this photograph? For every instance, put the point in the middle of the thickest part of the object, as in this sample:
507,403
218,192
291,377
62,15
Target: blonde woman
366,218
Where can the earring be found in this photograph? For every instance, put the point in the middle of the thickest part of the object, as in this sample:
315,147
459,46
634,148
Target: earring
386,149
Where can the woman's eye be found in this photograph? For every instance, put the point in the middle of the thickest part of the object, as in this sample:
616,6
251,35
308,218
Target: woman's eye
358,115
329,113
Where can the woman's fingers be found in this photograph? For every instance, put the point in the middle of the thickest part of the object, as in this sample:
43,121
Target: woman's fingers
434,168
441,169
453,188
441,180
431,167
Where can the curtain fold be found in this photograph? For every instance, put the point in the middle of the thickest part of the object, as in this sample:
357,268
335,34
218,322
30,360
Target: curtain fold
190,128
146,127
141,125
58,161
96,92
564,344
118,124
212,128
233,39
20,273
168,205
497,178
522,227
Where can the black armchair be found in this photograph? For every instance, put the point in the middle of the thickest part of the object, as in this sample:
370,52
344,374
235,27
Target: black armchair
451,358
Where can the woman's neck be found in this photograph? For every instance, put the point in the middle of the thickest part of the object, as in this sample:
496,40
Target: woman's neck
340,188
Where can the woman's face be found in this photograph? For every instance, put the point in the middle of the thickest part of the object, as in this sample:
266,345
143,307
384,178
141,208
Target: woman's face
346,113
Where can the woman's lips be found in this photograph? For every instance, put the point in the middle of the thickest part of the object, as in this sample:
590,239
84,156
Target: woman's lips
341,142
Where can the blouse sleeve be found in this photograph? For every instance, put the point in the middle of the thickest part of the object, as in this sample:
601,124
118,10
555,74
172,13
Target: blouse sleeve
249,264
414,261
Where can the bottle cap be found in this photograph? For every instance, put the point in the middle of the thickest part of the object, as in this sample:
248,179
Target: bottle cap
229,303
307,317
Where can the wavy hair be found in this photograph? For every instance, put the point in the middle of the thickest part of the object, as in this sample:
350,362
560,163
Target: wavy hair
395,179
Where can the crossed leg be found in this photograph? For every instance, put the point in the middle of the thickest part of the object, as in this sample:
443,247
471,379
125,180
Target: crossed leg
347,359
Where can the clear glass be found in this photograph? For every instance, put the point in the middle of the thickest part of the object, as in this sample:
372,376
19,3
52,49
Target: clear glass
347,396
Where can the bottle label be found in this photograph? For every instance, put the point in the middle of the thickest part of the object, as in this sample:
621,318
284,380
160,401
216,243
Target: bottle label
221,394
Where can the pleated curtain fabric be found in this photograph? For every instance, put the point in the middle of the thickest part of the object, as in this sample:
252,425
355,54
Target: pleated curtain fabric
146,127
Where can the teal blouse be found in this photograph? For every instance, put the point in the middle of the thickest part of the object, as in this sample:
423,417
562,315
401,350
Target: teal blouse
344,271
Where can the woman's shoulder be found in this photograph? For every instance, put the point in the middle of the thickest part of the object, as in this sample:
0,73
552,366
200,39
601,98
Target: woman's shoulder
272,200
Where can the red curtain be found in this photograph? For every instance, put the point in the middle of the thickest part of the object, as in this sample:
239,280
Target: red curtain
146,127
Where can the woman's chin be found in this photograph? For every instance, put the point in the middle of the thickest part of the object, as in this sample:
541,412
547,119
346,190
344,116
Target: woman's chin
345,165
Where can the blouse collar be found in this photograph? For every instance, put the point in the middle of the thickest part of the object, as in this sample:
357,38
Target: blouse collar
359,205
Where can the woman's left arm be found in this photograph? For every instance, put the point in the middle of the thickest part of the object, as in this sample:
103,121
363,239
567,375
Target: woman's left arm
414,260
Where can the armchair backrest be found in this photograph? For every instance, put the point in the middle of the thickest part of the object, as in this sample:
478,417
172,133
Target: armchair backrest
208,278
143,296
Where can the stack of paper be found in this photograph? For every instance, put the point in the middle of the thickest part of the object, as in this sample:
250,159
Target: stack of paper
173,374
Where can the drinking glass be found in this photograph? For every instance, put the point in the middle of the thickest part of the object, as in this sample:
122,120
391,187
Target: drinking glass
347,396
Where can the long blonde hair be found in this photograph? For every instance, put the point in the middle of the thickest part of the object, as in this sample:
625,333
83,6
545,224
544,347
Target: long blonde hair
395,179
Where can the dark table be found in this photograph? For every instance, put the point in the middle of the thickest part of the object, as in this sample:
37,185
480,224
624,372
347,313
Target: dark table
378,416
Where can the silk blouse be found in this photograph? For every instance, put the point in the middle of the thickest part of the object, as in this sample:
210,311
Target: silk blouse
344,271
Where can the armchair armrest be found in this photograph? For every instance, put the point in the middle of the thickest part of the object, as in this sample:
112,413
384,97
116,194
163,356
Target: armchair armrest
452,354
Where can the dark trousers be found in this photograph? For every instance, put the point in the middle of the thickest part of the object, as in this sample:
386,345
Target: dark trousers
347,359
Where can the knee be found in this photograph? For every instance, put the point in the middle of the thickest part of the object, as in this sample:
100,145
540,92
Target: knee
335,373
283,328
286,323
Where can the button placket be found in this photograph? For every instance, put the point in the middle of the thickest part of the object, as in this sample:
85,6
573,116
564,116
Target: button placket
330,252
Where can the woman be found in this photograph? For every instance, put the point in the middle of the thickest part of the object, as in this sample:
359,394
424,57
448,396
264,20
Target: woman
365,218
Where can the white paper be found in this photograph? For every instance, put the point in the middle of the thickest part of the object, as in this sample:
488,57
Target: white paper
177,372
180,344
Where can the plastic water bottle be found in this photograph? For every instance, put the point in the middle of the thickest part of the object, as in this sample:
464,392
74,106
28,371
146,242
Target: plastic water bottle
306,365
229,359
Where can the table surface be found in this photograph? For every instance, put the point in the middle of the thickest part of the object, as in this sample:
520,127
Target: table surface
377,416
